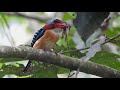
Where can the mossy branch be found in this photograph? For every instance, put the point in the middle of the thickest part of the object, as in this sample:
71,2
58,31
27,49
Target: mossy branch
60,60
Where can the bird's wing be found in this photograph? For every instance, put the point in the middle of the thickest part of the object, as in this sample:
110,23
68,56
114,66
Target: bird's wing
37,35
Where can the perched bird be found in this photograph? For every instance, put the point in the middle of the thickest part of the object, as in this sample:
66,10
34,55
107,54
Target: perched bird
46,37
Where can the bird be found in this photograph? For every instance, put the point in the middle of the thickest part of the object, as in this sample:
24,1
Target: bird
46,37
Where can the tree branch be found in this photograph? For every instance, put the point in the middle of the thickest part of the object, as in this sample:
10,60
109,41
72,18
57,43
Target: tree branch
60,60
41,18
107,40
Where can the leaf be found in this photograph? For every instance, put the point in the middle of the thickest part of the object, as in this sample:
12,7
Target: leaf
106,58
10,76
61,70
27,76
86,23
37,70
44,71
59,48
112,31
11,69
61,42
69,16
1,64
4,60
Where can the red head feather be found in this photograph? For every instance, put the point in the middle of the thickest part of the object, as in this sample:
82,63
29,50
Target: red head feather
56,23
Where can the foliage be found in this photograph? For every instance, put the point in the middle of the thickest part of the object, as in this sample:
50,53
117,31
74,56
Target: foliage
106,58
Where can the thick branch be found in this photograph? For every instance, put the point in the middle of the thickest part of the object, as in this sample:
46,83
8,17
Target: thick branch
40,18
60,60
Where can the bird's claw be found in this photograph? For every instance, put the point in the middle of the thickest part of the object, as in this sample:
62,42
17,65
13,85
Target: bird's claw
54,51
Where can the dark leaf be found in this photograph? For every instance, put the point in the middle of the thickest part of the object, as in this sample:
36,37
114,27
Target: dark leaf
87,23
106,58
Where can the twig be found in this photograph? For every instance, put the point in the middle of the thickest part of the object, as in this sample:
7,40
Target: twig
70,75
3,28
40,18
62,52
111,39
12,40
107,40
115,41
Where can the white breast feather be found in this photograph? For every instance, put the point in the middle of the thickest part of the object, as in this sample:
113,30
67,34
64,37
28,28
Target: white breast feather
58,31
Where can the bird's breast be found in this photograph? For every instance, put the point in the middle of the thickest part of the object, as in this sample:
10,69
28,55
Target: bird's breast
49,45
47,41
50,39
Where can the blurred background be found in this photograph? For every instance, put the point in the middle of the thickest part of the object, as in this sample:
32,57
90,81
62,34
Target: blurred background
18,28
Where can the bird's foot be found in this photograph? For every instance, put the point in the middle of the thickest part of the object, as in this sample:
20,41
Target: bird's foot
53,51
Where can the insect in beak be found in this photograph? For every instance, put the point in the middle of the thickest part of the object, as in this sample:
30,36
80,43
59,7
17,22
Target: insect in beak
66,29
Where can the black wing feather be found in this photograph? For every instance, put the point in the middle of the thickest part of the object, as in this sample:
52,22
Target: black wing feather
37,35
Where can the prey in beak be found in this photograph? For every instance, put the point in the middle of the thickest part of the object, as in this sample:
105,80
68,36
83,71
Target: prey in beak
65,29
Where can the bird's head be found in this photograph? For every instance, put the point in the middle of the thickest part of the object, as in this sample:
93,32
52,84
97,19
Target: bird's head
59,27
56,23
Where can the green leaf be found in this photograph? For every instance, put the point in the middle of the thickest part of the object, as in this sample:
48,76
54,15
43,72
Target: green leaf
113,31
10,76
59,48
61,42
61,70
106,58
1,64
27,76
37,70
69,16
44,71
4,60
11,69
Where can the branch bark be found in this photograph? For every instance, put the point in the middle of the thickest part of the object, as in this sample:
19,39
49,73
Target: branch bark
60,60
40,18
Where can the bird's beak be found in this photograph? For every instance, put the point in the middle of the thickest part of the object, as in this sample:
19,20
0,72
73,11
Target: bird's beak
63,25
